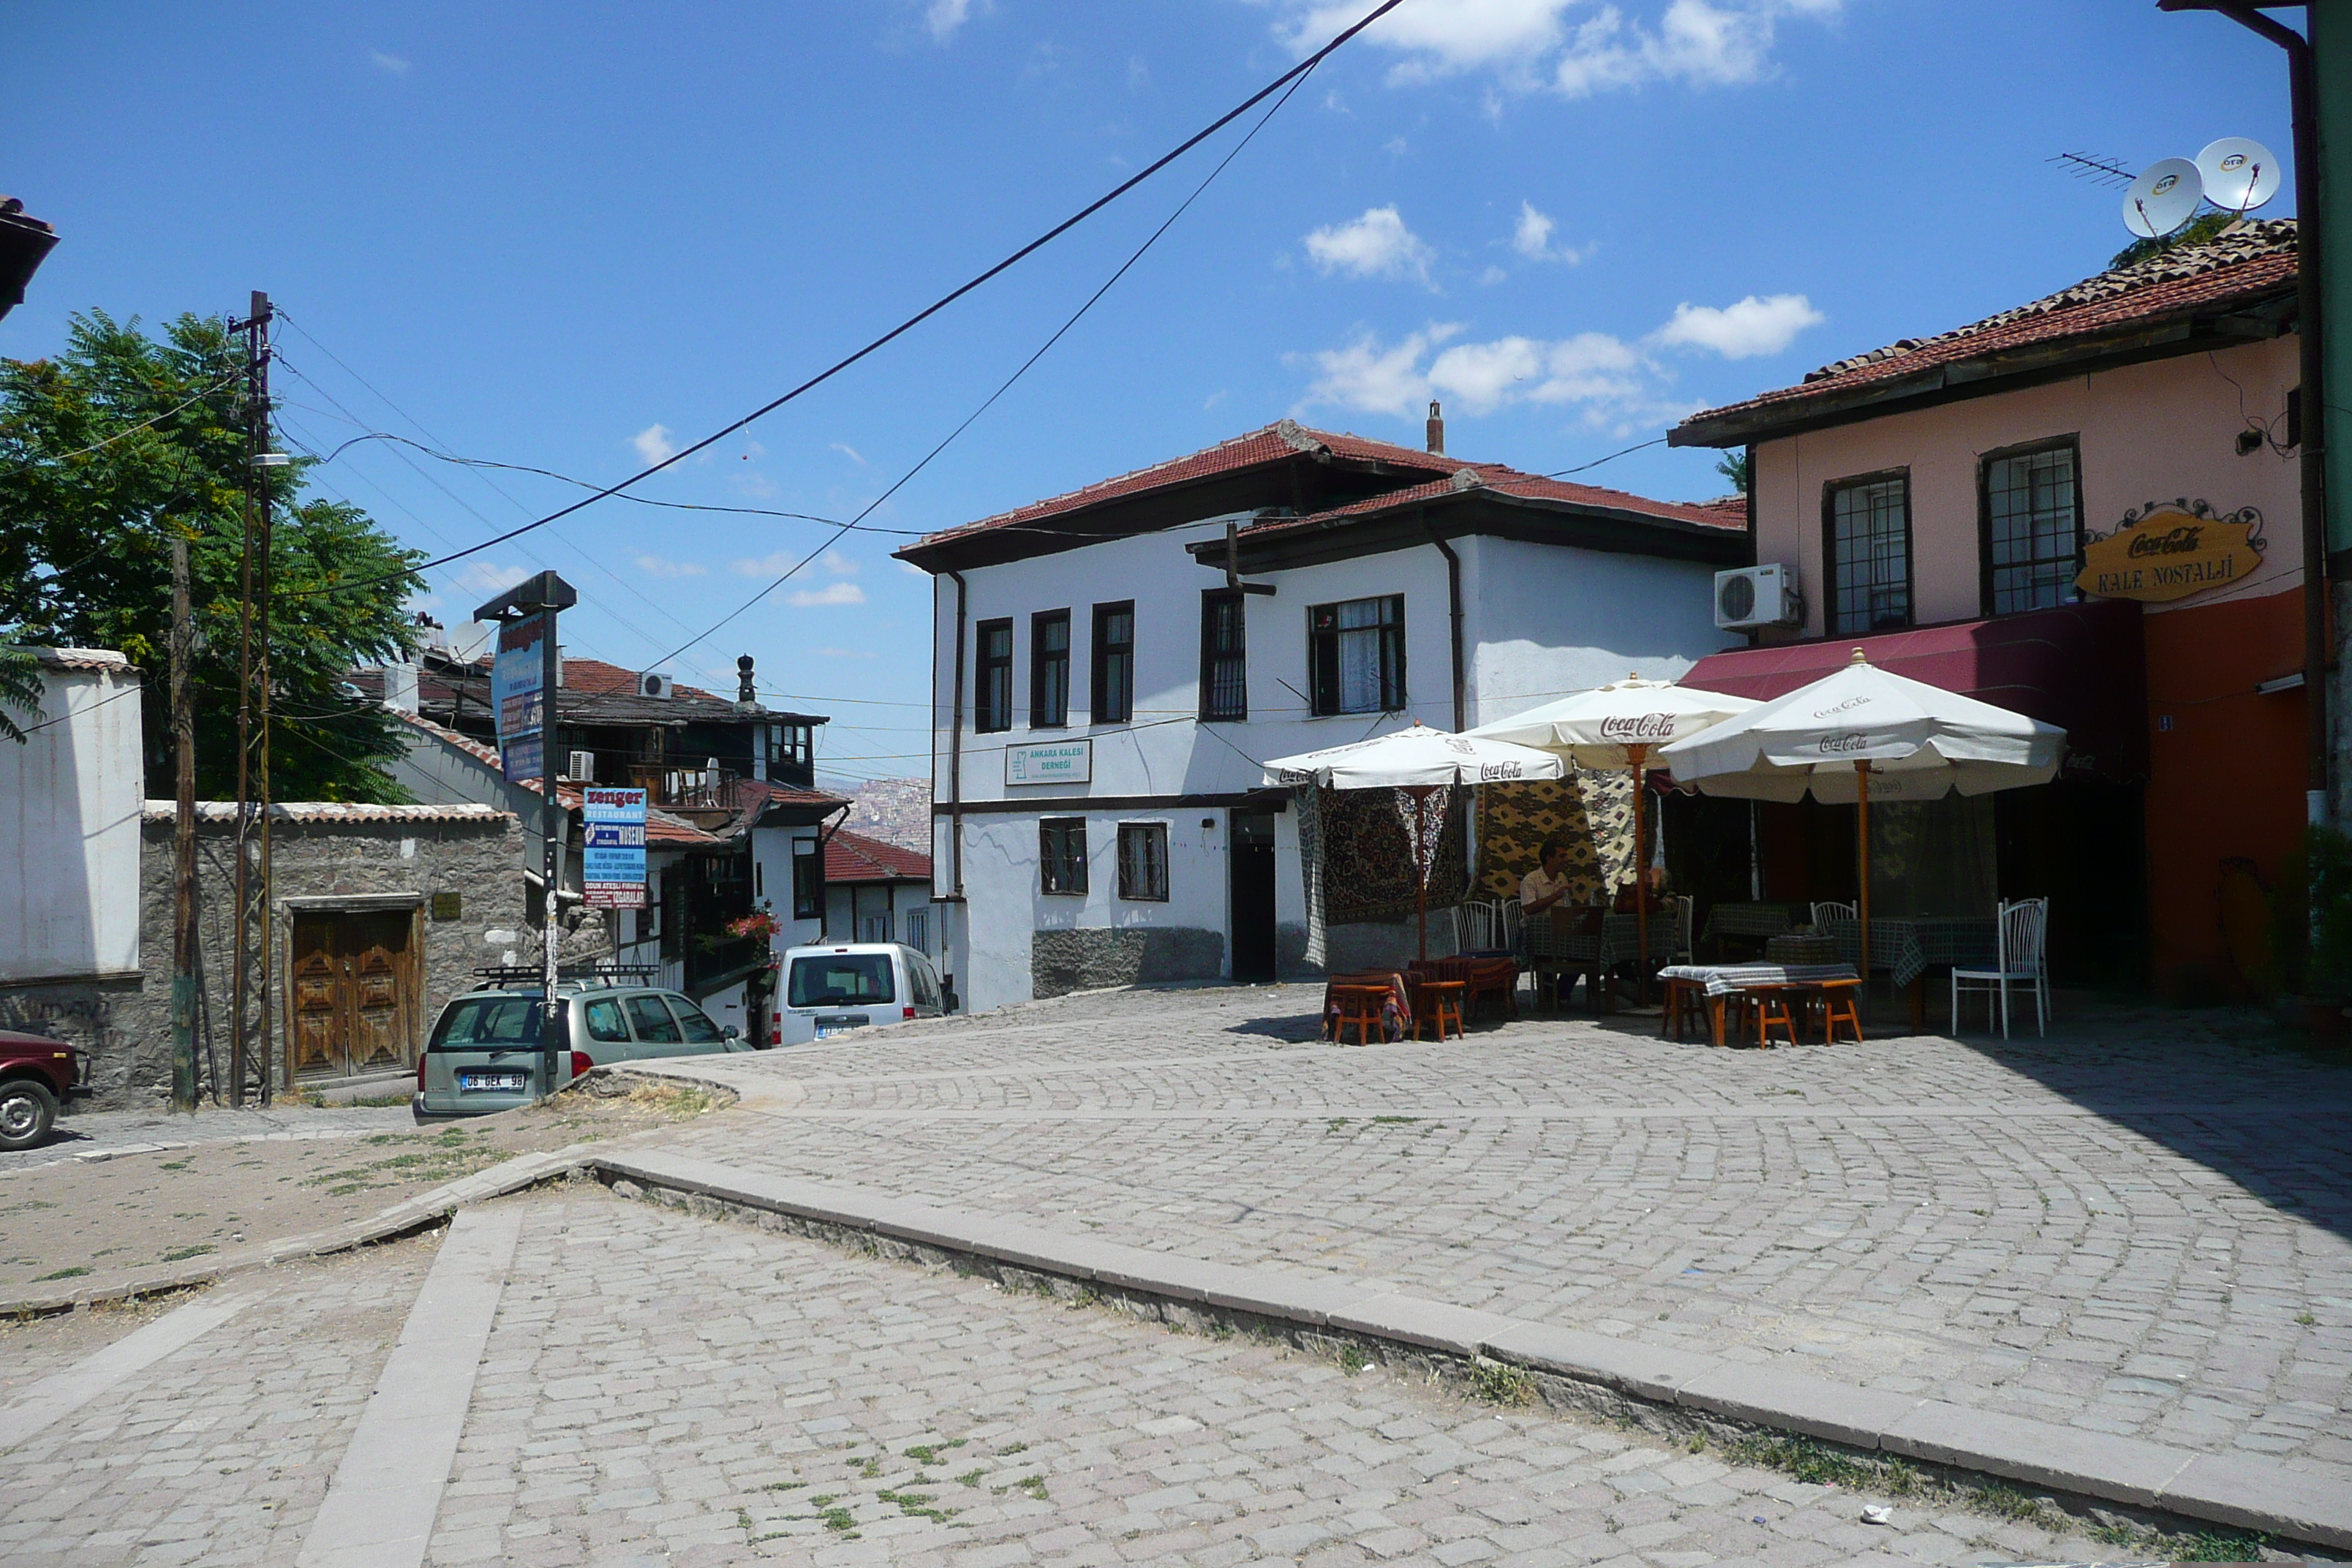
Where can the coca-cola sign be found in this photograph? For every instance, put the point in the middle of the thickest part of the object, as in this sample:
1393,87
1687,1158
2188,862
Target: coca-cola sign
1632,729
1843,745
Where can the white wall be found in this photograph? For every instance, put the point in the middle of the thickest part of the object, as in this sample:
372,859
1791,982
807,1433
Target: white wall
1542,622
70,804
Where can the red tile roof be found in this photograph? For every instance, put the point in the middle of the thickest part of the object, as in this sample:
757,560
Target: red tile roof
854,858
1510,481
1275,443
597,678
2242,265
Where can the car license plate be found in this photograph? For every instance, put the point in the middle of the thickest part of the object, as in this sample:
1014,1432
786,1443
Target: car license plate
841,1024
493,1081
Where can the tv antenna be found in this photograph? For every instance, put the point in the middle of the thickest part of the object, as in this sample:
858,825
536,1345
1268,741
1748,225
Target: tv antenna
2098,170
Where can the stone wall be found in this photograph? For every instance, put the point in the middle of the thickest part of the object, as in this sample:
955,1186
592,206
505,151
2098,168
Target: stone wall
1091,958
394,857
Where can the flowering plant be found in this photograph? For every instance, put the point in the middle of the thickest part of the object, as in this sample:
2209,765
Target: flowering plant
761,923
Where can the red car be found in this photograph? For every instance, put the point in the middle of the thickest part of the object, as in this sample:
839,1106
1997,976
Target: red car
35,1074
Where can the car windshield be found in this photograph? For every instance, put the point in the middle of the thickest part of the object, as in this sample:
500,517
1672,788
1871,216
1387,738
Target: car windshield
832,978
489,1023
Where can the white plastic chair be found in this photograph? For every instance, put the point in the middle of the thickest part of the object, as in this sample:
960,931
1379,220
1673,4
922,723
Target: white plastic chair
1512,920
2020,939
1828,910
1478,921
1683,951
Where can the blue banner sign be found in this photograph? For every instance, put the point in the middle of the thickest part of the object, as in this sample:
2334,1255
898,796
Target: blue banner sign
518,674
612,856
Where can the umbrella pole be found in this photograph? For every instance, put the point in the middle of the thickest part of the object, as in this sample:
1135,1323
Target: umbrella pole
1420,869
1861,858
1636,756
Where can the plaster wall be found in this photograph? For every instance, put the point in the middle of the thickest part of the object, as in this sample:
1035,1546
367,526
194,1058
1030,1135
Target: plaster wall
69,802
2148,432
848,905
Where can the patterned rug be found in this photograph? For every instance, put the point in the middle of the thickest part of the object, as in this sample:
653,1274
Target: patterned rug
1592,811
1368,859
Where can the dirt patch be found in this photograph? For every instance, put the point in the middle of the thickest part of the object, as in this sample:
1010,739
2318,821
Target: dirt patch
63,1222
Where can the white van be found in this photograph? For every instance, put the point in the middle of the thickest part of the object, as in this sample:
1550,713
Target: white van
832,989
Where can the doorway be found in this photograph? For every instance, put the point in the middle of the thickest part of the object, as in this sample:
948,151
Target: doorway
353,992
1252,883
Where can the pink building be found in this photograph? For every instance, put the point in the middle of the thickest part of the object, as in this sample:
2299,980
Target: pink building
2083,509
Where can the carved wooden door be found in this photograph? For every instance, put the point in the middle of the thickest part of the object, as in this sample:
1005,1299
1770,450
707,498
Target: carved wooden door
374,947
317,994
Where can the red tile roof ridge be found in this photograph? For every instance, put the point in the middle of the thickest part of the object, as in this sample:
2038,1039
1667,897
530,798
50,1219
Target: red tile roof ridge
597,677
866,859
1265,443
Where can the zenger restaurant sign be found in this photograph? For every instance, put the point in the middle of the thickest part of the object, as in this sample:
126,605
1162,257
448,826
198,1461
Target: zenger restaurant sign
2170,550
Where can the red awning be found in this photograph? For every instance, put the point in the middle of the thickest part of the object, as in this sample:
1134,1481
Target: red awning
2079,667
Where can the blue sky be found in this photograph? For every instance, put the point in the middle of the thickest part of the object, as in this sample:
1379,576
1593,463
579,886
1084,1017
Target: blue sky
566,236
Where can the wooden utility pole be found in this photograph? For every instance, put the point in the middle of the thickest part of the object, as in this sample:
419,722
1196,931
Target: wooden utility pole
184,840
249,984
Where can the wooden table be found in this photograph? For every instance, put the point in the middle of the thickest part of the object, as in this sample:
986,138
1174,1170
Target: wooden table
1717,984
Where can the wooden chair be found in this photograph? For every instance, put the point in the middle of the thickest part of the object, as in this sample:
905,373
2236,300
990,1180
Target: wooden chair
1359,1005
1686,1008
1839,1006
1438,1003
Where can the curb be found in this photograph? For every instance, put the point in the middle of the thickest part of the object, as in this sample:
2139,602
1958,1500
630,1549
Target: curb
402,1218
2309,1503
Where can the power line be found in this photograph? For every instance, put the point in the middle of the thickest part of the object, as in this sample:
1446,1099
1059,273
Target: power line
989,402
134,430
1296,73
1612,457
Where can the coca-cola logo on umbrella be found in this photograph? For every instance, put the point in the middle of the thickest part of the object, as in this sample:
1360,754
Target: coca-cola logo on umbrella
1637,727
1841,745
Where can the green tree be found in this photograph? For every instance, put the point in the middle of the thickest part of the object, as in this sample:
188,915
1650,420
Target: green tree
21,688
125,442
2196,231
1733,467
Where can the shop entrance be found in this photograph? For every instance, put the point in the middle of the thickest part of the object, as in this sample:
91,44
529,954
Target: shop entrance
352,992
1251,882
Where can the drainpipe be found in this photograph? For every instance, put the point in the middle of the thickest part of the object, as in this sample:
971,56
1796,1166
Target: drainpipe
1454,600
2302,93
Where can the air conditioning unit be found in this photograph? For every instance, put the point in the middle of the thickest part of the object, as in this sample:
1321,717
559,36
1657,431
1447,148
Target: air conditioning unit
656,686
583,768
1750,597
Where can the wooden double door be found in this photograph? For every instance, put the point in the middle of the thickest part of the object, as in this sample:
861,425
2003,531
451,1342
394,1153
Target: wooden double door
353,992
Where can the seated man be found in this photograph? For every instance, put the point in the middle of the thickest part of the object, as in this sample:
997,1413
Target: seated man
1548,884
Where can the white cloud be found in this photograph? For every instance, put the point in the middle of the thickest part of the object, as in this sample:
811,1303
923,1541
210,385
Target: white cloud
849,451
1364,375
488,576
656,566
840,566
1532,238
1743,331
1214,398
830,594
1564,44
775,566
1377,245
844,653
944,16
391,65
653,443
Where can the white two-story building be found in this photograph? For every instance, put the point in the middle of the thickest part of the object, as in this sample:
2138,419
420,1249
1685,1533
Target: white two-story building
1113,666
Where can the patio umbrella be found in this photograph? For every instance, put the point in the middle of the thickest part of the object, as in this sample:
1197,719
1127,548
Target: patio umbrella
1862,730
1618,726
1418,760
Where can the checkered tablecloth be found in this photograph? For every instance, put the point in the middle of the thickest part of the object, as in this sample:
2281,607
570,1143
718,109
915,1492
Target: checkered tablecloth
1723,979
1746,920
1905,946
1619,940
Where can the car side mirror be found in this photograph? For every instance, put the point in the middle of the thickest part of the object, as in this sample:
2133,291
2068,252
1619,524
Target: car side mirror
729,1032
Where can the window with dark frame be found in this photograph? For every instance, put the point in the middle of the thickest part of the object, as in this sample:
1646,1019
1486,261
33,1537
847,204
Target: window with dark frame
1356,656
1225,656
1868,525
791,745
2032,529
808,881
1143,861
1049,669
991,691
1061,854
1111,693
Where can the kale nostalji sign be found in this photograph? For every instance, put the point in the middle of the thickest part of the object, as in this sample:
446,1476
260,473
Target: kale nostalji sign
2170,550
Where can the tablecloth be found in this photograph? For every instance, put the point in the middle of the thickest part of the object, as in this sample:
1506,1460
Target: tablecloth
1723,979
1905,946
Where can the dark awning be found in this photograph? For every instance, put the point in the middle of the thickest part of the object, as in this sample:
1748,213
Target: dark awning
2079,667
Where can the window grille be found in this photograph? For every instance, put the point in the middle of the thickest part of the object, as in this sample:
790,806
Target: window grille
1225,656
1870,555
919,929
1062,854
1143,861
2033,530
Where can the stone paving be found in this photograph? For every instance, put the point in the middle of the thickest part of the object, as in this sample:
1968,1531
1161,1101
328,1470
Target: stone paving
98,1135
2138,1227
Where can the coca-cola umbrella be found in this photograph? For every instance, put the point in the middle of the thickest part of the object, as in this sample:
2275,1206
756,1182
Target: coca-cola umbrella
1418,760
1861,725
1619,726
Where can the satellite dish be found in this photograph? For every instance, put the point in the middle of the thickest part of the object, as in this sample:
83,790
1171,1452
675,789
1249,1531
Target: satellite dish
2162,198
2239,175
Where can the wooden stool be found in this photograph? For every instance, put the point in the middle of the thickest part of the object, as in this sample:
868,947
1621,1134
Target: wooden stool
1686,1007
1773,1007
1437,1002
1359,1005
1838,999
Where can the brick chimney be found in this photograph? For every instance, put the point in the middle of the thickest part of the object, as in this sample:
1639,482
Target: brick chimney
1436,428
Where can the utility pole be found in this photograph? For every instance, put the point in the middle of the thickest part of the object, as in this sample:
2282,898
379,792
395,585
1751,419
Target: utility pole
184,840
250,1008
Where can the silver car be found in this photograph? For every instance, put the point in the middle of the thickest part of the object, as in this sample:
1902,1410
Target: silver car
485,1053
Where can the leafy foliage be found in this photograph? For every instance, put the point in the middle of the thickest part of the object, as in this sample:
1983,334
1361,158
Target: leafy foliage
21,688
1733,467
125,442
2197,230
2312,916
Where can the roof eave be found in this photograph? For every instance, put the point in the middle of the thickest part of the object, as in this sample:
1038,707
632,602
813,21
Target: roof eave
1567,524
